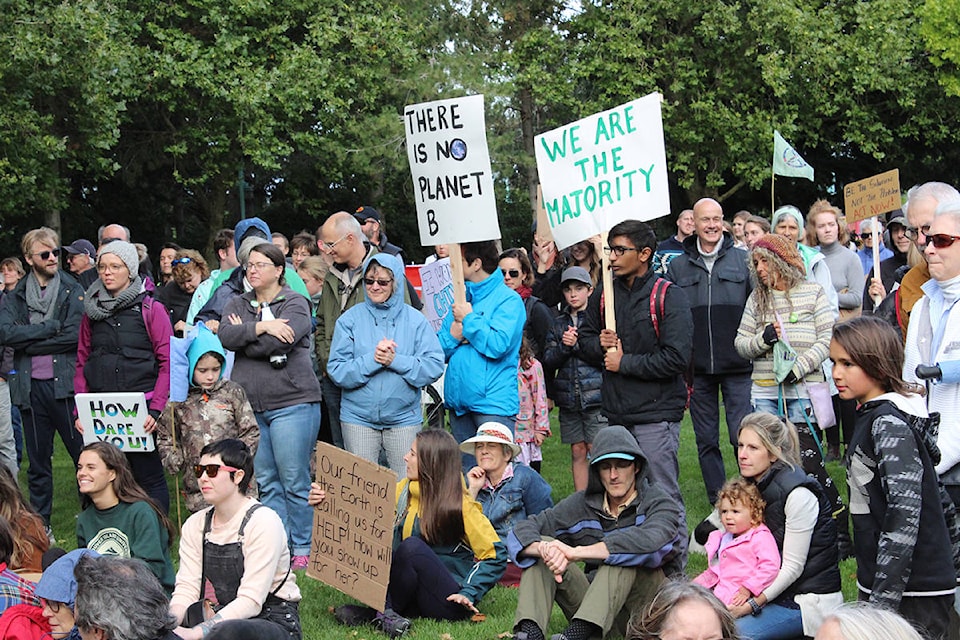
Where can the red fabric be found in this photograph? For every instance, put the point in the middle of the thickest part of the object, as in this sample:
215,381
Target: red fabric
524,291
23,622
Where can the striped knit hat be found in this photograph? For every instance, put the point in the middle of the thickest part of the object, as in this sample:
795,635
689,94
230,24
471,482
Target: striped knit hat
782,248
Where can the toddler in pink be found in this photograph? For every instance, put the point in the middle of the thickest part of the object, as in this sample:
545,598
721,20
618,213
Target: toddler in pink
742,558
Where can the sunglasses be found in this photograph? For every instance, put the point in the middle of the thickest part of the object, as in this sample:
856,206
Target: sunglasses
211,469
181,261
45,255
942,240
513,273
866,236
371,281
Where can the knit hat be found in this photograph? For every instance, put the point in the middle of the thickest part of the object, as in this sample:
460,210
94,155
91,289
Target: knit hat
125,251
787,210
58,582
782,248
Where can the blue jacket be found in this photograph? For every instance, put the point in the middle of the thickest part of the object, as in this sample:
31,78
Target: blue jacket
577,383
482,371
374,395
523,494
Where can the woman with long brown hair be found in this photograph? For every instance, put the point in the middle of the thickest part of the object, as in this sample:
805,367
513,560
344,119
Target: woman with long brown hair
446,554
30,539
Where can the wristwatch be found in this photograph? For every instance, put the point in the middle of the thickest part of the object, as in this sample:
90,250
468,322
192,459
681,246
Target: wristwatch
755,608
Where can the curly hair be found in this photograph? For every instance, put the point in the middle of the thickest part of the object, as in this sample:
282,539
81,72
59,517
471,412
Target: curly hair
745,493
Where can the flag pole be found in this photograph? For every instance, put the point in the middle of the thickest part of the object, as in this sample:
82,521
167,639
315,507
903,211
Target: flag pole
772,177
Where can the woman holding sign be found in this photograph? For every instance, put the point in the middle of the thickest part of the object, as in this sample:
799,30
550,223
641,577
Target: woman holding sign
238,547
446,554
125,346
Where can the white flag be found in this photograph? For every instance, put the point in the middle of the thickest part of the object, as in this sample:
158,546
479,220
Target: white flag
787,162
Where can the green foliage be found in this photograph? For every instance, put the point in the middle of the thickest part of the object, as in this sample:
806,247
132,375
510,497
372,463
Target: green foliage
940,27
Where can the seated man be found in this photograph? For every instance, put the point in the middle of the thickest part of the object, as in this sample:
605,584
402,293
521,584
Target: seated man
144,613
621,525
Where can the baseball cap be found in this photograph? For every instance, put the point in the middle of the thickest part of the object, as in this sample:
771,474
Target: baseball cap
578,274
366,212
614,455
81,246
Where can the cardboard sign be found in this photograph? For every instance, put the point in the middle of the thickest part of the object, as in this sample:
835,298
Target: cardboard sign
872,196
609,167
450,165
352,543
437,282
116,418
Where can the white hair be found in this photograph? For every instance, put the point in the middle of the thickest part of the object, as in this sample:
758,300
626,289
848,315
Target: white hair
864,621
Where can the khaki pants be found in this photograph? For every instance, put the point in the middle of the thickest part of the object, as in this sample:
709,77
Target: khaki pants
607,602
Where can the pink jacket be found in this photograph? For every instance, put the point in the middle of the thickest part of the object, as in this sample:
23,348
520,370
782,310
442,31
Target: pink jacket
751,560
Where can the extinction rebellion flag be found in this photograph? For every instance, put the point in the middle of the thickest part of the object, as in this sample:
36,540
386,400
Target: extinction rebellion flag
787,162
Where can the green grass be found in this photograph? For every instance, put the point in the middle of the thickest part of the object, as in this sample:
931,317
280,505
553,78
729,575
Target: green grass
500,603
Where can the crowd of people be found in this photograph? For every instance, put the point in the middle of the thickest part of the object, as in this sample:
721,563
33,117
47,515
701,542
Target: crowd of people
816,355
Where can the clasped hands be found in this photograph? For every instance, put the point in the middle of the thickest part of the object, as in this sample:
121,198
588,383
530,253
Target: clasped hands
557,556
385,352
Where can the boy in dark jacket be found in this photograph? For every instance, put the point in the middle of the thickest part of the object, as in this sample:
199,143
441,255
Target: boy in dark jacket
576,388
621,525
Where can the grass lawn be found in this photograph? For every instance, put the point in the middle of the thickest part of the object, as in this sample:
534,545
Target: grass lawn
500,603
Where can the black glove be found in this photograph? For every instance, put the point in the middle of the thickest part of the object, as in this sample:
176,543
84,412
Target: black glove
770,334
791,378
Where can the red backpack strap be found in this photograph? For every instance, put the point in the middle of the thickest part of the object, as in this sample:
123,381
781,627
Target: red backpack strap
658,293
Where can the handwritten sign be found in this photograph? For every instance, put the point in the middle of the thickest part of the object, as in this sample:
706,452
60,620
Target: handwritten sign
450,164
437,282
604,169
872,196
352,542
116,418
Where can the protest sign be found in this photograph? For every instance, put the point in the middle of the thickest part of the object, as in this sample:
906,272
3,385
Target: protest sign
352,543
872,196
450,165
116,418
436,280
604,169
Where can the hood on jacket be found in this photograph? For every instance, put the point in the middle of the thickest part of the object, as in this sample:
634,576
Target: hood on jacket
387,261
610,441
205,342
58,582
244,226
914,409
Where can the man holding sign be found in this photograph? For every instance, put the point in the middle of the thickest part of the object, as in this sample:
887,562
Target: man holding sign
644,360
481,342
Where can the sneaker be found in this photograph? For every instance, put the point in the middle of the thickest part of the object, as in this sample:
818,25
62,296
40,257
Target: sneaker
300,563
52,538
353,615
391,623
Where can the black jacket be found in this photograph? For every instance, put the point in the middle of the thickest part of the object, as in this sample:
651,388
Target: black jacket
577,382
717,298
649,386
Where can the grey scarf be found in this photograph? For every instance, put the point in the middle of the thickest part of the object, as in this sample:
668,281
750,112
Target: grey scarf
40,301
98,304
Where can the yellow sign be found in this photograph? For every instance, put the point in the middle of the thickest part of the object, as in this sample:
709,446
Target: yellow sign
872,196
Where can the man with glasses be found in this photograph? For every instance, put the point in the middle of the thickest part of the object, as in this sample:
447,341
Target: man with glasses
40,320
645,358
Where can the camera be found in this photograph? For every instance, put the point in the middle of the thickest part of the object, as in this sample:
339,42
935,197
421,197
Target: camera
278,361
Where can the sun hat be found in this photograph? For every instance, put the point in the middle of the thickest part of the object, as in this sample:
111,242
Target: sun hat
491,432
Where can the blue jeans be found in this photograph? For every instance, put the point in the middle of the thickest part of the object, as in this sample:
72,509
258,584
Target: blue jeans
774,623
466,426
282,466
705,414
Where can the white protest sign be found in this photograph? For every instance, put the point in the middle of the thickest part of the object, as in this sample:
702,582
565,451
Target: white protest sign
450,164
606,168
116,418
437,282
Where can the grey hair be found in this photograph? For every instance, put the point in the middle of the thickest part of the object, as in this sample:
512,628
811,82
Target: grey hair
145,613
345,223
865,621
650,622
939,191
104,226
949,208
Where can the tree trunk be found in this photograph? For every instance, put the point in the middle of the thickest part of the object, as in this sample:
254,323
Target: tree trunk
526,127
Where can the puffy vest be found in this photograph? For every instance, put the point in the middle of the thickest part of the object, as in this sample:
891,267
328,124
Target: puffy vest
121,352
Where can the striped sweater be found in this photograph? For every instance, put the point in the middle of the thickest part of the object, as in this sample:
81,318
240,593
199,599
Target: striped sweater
807,323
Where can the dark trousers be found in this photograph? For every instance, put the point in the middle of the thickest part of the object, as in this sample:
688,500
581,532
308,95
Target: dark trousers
705,414
846,412
930,615
148,472
45,417
420,584
331,402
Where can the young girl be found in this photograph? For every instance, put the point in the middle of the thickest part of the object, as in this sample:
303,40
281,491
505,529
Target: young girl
901,533
533,420
743,560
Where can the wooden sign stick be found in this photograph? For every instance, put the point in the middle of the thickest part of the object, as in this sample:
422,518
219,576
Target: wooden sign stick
456,270
609,314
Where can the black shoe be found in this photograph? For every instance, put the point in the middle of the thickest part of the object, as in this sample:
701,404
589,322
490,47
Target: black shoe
703,531
391,623
354,615
527,630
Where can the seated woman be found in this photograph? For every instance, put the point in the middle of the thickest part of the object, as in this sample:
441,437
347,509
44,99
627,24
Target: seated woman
507,492
30,539
238,546
798,514
446,554
118,516
682,610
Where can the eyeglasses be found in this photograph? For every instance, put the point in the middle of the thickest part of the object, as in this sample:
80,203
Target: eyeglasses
330,245
45,255
301,253
619,250
914,233
513,273
942,240
181,261
53,605
111,268
259,266
211,469
383,283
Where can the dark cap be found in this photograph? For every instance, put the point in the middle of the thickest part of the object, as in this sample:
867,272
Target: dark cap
81,246
896,217
365,213
579,274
